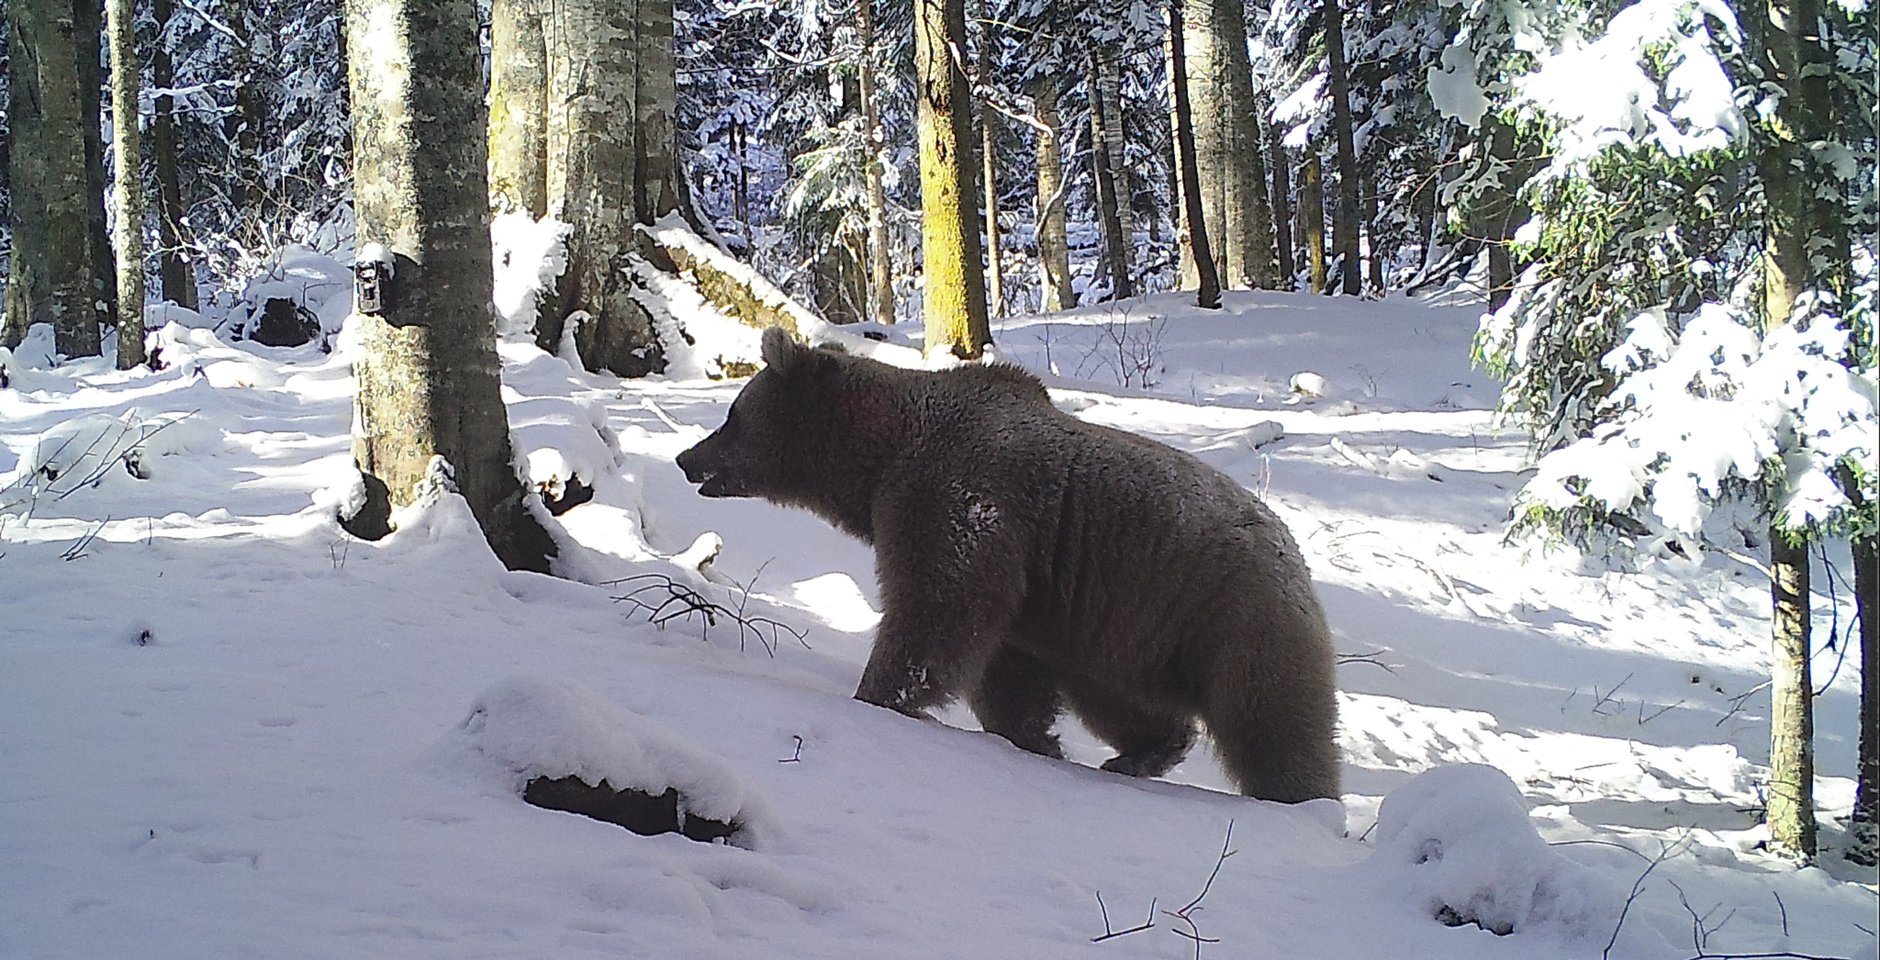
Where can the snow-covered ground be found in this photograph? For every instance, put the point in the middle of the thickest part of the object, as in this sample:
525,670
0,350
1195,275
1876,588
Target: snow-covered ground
229,730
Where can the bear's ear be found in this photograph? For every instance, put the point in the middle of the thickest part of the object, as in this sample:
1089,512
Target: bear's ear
780,352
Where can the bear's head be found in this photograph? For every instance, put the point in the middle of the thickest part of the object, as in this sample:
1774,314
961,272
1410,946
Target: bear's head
771,438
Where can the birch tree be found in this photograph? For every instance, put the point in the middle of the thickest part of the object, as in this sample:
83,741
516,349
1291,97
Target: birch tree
128,188
1053,246
428,410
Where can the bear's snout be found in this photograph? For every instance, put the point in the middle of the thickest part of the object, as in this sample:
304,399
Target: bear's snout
706,468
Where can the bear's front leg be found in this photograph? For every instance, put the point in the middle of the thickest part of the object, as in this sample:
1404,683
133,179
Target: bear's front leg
947,571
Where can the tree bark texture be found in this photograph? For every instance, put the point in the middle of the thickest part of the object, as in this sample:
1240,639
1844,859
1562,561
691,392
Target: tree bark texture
428,372
57,274
1054,260
1345,213
1783,39
127,190
995,273
1312,216
177,279
518,107
1284,223
1864,826
880,257
954,298
655,99
1106,158
1194,218
1227,143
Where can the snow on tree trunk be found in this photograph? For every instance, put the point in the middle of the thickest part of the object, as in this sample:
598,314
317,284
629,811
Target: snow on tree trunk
177,279
1053,246
56,275
1106,154
1312,215
128,188
1345,212
954,300
518,107
655,98
1194,219
1283,221
880,258
427,368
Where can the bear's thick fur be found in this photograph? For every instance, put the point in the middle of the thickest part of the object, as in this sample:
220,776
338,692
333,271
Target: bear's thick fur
1032,562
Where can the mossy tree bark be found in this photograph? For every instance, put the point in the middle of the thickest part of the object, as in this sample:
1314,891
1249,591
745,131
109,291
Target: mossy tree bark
1345,213
954,300
128,188
1194,220
1312,216
59,274
518,107
428,372
1054,259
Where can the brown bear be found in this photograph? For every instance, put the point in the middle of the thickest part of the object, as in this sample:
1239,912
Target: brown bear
1032,562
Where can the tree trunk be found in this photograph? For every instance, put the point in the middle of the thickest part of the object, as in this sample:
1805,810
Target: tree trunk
1791,801
1106,152
1284,223
595,177
954,296
1054,258
177,278
655,99
128,190
518,107
1345,213
90,27
1782,38
1194,220
1864,825
880,257
243,126
1373,264
428,372
995,273
1227,143
1312,216
57,275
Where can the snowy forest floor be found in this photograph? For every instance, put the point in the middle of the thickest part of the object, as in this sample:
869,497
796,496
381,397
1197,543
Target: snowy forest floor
229,730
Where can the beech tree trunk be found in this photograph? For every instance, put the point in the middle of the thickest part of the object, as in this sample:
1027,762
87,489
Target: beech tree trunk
954,298
128,188
518,107
428,372
1194,220
1054,262
1227,143
57,275
1106,156
1312,216
1345,212
177,278
880,257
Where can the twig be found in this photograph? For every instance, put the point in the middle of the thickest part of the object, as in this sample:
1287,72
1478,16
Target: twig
681,601
1737,702
1661,711
1109,934
1785,911
1370,658
77,549
1608,697
796,755
1185,914
1665,853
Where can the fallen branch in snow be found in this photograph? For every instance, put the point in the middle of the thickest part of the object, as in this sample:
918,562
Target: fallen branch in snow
1185,914
77,549
796,755
1776,955
1370,658
1665,852
1700,925
1109,934
1601,701
681,601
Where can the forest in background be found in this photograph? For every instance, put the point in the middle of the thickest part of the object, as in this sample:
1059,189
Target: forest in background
1668,204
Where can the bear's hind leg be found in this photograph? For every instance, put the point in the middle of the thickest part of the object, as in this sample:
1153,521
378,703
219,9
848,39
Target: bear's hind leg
1148,743
1017,698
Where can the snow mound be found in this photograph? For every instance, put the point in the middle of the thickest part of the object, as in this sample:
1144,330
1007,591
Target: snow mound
524,728
88,450
1457,842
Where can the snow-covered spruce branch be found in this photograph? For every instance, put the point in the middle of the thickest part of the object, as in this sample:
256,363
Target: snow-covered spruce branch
672,600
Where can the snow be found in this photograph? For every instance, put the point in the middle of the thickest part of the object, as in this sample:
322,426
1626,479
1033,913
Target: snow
234,730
